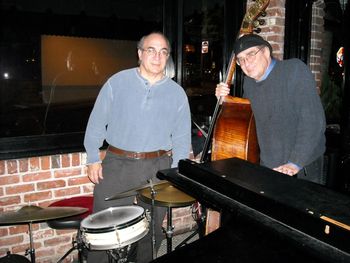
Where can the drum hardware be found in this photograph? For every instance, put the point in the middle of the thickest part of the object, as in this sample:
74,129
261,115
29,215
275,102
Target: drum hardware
167,196
134,191
118,255
29,214
198,210
153,193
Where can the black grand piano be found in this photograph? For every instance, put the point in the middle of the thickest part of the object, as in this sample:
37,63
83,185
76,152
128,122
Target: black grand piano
266,216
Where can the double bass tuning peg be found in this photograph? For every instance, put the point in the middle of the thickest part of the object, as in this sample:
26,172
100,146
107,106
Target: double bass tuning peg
259,22
257,30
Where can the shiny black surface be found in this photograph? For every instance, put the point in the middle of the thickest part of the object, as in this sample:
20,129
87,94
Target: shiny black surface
291,207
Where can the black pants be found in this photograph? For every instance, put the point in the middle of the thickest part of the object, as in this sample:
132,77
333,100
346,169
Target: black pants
121,174
313,172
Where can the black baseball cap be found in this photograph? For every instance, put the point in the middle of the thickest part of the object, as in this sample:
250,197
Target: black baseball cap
248,41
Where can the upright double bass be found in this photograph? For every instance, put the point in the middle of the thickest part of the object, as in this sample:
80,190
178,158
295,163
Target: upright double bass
232,129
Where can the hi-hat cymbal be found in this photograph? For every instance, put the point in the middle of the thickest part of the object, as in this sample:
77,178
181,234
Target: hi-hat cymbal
33,213
133,191
166,195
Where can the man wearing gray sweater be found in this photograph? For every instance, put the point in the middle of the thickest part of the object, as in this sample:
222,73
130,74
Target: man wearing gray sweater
289,116
144,116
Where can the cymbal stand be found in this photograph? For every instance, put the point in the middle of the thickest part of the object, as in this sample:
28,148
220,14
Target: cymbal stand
31,249
170,230
153,193
200,219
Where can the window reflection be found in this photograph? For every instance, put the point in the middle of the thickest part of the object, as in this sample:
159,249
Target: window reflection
203,35
55,55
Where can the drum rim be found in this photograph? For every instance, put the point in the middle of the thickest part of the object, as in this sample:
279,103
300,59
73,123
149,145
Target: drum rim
112,228
115,227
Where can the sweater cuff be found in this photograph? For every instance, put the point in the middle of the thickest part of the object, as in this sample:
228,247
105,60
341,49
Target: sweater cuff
295,165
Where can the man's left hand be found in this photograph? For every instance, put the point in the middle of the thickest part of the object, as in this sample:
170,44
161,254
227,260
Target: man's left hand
288,168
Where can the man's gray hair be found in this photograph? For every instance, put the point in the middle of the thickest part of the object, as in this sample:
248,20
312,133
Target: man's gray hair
142,40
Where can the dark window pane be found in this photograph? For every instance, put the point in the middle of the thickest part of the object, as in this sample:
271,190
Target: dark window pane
55,56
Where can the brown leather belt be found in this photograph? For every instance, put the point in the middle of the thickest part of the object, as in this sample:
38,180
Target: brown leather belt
138,155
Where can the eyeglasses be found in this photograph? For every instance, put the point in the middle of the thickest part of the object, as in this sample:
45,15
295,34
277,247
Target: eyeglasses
153,52
248,58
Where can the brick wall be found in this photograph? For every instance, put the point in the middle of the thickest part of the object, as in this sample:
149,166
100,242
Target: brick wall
43,180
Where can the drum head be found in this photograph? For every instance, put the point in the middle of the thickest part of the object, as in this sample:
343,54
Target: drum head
13,258
113,217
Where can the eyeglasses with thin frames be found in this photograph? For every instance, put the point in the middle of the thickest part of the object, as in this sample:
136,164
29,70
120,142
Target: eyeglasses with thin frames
248,58
150,51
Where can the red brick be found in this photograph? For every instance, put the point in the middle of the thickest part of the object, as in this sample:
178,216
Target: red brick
47,233
4,231
65,160
78,180
12,179
37,196
56,240
50,184
23,165
18,229
67,192
75,159
32,177
13,240
45,252
2,167
45,162
34,164
22,188
88,189
20,248
12,167
6,201
67,172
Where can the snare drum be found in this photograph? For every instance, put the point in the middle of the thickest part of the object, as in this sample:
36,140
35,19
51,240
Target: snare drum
114,227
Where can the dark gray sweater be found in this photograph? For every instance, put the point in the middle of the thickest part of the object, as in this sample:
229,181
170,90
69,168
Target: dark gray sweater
289,115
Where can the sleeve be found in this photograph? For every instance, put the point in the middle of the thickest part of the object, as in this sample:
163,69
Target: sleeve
311,123
181,136
96,128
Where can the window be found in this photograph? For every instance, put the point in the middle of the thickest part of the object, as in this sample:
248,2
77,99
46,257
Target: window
55,56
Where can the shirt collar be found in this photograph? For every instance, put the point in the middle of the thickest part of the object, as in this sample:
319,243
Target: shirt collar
269,69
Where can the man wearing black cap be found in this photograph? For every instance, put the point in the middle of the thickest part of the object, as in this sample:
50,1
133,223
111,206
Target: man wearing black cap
289,116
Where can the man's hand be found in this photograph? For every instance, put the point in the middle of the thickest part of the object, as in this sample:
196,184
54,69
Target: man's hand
94,172
222,89
288,168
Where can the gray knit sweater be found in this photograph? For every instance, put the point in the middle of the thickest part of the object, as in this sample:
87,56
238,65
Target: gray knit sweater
289,115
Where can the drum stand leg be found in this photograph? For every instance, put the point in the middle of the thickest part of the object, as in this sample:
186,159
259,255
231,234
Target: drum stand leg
78,244
200,220
169,231
31,250
153,193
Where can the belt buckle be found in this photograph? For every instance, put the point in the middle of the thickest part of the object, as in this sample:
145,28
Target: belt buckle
135,155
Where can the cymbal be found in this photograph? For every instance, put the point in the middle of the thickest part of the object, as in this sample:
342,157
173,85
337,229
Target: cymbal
32,213
166,195
134,191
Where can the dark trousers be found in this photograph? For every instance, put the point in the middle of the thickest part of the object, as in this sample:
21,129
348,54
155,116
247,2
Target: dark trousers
313,172
121,174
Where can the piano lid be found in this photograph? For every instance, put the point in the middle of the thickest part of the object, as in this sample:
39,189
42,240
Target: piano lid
304,206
